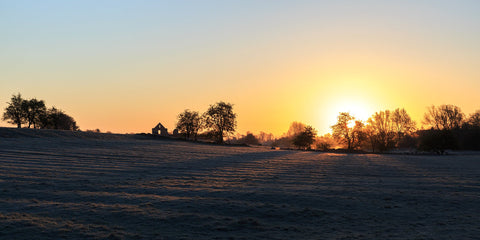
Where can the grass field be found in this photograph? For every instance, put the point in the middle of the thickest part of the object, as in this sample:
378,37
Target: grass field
56,185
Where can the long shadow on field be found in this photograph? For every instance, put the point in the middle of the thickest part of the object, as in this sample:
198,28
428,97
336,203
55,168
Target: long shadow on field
195,166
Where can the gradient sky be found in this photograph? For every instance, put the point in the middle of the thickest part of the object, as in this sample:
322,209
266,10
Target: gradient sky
124,66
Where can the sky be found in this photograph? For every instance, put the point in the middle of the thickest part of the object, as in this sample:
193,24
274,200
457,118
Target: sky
124,66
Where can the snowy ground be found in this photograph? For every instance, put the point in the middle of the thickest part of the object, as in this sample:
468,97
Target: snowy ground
79,186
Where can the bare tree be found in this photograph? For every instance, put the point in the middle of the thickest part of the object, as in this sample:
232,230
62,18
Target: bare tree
221,119
358,134
444,117
383,129
474,119
14,112
342,131
370,135
402,122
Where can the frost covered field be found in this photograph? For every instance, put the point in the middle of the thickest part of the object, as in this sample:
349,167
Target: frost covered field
56,185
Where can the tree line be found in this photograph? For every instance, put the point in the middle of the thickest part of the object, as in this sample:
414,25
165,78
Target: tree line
443,127
384,130
34,113
218,122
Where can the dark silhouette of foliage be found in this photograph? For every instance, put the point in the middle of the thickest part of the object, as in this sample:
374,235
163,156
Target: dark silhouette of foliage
34,112
33,109
189,123
207,135
56,119
408,141
14,112
437,140
305,139
221,119
468,138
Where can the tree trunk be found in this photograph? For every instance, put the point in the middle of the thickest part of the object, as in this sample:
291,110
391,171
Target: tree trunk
220,137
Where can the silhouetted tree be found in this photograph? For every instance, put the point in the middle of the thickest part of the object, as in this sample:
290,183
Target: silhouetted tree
384,129
444,117
370,136
14,112
468,136
189,123
33,109
358,134
445,122
474,120
221,119
342,131
402,122
305,138
56,119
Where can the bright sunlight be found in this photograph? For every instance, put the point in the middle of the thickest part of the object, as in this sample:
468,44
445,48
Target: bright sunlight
359,108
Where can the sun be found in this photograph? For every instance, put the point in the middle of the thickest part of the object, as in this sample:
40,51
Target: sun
358,110
357,107
352,98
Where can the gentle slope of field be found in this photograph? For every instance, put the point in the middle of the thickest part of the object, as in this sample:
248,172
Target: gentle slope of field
56,184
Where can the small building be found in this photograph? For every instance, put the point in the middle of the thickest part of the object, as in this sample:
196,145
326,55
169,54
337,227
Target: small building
161,128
